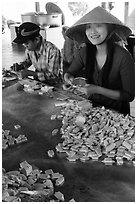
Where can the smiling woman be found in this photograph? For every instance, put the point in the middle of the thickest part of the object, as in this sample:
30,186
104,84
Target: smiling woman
96,33
109,67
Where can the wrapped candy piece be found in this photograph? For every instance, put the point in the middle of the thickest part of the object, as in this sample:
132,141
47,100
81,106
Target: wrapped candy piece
26,168
80,120
59,196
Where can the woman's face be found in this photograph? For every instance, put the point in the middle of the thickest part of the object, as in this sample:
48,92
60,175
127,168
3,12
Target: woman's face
96,33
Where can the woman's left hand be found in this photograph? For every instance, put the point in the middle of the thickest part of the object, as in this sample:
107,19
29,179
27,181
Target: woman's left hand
88,89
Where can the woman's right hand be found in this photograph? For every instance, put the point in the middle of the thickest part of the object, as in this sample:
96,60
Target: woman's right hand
68,78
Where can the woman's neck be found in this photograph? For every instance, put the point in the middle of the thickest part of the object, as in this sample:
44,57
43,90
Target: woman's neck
101,55
102,49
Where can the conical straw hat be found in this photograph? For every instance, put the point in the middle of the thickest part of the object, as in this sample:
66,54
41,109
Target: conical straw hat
97,15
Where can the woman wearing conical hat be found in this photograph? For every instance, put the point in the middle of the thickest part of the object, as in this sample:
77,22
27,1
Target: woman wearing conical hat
109,68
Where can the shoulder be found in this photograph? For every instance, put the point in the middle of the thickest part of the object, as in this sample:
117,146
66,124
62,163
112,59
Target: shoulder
49,45
122,57
121,52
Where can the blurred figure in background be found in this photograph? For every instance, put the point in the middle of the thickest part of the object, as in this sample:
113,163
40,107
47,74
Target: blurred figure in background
70,49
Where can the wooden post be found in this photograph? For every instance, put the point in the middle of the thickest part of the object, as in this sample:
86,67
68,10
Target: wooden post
126,8
37,7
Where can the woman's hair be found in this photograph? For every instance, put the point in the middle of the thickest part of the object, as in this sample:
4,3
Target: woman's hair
113,36
110,27
111,39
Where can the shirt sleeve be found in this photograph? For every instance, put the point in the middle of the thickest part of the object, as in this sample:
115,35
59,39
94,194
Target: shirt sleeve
127,73
27,61
55,62
51,64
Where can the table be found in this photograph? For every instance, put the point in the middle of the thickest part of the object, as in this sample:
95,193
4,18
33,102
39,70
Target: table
91,181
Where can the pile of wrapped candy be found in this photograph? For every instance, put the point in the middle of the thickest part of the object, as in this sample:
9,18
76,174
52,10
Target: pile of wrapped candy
96,134
9,140
31,184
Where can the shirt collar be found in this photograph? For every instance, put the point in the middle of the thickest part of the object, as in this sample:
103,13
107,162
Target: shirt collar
40,51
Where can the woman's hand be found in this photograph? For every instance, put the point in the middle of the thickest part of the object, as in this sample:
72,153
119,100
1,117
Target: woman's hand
89,89
68,78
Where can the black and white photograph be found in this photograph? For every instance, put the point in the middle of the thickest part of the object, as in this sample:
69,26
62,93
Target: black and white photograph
68,101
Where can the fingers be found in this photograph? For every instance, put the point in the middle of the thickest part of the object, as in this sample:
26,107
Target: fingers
68,78
15,67
82,90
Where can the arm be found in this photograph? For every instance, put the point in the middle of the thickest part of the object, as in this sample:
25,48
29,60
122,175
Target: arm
55,63
93,89
22,65
127,72
123,83
27,62
51,64
78,63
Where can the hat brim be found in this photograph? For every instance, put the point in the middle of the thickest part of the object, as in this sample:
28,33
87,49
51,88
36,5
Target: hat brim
20,40
75,32
98,15
23,39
